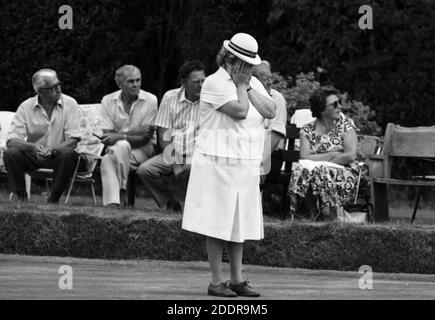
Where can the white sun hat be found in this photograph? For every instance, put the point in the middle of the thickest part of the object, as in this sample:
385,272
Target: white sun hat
245,47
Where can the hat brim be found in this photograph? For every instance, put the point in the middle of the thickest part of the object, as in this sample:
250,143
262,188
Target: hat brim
254,61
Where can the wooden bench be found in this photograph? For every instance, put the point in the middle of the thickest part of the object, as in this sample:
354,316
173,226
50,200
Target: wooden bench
399,142
289,155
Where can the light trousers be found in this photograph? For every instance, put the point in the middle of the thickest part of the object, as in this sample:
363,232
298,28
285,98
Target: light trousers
116,164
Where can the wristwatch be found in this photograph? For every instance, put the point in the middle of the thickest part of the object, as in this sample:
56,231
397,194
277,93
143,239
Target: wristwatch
249,89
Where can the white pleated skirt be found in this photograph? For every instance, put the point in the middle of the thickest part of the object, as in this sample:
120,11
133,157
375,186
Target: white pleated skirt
223,199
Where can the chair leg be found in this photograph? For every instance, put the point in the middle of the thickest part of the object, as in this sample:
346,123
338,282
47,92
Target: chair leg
72,181
380,202
28,180
285,201
69,191
47,186
416,205
93,193
131,189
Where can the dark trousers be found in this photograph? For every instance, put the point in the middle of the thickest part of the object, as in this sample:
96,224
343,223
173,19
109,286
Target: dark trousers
276,162
275,168
19,162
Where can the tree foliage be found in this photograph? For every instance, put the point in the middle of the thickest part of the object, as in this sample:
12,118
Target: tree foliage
389,68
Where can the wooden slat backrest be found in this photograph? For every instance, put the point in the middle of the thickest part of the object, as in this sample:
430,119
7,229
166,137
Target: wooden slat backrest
417,142
290,155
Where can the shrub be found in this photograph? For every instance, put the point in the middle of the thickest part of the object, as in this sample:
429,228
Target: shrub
362,115
297,94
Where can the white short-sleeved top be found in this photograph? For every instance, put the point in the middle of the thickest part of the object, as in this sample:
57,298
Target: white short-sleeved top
221,135
142,112
32,124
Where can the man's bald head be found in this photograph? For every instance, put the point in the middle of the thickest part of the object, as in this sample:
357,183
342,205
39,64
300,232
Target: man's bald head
43,78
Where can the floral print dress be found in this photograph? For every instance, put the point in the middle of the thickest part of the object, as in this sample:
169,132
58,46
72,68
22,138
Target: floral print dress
335,186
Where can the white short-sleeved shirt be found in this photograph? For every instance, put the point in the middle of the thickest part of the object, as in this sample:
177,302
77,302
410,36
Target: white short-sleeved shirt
143,112
221,135
278,124
31,122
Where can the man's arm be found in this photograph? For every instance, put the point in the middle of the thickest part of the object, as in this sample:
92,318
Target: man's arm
18,132
163,137
21,145
68,143
137,137
276,138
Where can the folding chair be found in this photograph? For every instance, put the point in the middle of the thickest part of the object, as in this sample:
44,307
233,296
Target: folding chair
89,148
86,176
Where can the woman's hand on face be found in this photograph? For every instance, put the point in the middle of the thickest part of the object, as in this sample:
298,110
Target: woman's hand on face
241,74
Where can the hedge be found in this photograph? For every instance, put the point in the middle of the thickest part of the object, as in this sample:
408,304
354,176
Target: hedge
334,246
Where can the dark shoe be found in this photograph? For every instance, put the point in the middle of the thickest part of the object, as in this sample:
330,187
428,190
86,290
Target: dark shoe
22,196
220,290
243,289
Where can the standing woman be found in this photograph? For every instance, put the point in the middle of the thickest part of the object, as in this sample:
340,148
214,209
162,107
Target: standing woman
223,200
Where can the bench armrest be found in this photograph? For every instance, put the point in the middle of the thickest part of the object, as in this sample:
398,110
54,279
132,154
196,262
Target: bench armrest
376,166
377,157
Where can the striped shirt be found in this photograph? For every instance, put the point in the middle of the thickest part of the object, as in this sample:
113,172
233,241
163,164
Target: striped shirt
143,112
181,117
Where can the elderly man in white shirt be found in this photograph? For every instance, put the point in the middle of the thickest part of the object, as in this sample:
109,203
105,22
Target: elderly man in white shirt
276,130
128,117
177,121
43,134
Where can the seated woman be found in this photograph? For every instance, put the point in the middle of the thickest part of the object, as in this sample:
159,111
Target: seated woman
327,173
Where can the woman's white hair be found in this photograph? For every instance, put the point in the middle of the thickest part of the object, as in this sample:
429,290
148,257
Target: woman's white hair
40,78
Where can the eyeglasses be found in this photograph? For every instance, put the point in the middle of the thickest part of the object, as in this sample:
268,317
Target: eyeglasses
53,87
335,104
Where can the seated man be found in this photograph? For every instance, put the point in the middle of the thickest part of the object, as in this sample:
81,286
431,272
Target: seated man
43,134
276,132
177,122
128,126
